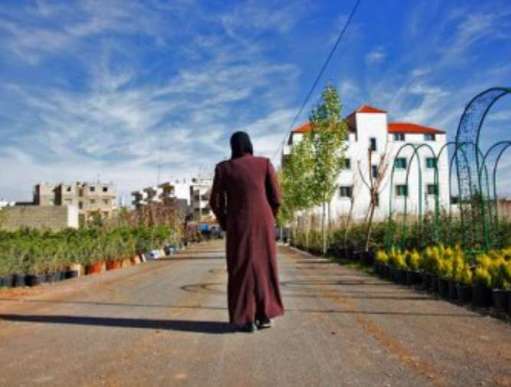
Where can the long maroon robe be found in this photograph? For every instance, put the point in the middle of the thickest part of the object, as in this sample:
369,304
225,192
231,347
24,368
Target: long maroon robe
245,199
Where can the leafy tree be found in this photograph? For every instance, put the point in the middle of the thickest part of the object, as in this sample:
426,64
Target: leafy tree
328,137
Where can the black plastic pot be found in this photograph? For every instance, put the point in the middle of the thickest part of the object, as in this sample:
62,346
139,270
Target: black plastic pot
402,276
367,257
8,281
499,299
18,280
412,277
71,274
32,280
453,293
385,271
426,281
61,276
481,296
434,284
2,282
443,288
395,274
464,293
509,302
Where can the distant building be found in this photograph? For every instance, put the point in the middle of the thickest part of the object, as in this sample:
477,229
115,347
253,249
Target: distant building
90,198
371,138
200,190
5,203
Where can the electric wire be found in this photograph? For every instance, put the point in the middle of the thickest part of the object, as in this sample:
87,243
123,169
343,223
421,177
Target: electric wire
318,77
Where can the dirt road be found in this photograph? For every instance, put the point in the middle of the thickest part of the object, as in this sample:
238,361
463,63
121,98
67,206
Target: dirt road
164,323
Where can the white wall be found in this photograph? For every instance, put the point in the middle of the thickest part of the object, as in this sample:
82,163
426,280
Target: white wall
375,125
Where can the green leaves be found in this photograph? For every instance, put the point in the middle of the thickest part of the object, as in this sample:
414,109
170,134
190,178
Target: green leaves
33,252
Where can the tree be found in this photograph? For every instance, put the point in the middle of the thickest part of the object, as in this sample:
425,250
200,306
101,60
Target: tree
328,136
296,177
374,185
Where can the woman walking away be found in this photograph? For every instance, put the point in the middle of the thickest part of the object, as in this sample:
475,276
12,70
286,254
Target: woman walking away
245,199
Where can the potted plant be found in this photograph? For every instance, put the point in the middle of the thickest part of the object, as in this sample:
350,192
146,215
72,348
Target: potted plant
398,265
464,285
380,263
413,259
500,285
458,264
445,274
481,293
94,263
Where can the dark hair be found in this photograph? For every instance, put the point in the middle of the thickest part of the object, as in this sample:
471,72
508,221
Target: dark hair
240,145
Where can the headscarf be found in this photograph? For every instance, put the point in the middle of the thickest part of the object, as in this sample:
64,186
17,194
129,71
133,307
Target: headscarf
240,145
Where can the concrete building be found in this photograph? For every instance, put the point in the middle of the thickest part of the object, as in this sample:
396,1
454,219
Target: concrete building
90,198
200,190
372,145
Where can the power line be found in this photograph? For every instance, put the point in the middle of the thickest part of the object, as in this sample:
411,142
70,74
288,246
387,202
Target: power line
320,74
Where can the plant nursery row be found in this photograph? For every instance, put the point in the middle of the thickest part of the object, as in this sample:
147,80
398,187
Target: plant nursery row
483,280
29,258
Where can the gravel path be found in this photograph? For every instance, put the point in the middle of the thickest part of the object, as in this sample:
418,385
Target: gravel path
164,323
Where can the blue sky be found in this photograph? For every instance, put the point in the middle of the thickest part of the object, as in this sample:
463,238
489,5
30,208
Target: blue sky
96,88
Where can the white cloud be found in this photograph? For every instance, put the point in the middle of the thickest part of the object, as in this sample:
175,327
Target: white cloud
376,56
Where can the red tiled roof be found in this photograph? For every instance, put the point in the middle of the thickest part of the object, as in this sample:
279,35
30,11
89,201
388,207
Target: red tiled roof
406,127
304,128
368,109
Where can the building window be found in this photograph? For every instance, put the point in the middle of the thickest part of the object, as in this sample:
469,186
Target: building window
372,144
92,201
374,171
68,189
432,189
346,191
401,190
346,163
80,205
430,162
105,189
429,137
399,136
106,201
400,163
92,189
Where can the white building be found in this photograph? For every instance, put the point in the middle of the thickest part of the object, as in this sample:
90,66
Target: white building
5,203
372,145
200,190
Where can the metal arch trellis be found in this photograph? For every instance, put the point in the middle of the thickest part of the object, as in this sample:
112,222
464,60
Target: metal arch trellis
459,148
389,239
472,202
497,150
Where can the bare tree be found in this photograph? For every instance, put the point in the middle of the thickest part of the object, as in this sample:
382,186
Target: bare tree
374,185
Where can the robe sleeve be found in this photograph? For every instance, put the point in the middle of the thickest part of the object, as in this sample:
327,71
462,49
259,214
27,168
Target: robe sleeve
217,200
272,188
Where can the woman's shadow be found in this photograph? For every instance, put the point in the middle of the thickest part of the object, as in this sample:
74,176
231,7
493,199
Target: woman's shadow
208,327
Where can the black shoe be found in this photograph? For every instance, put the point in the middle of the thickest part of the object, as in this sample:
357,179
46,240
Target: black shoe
248,327
264,323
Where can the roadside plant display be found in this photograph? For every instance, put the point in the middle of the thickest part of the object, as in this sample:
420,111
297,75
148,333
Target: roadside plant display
31,257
